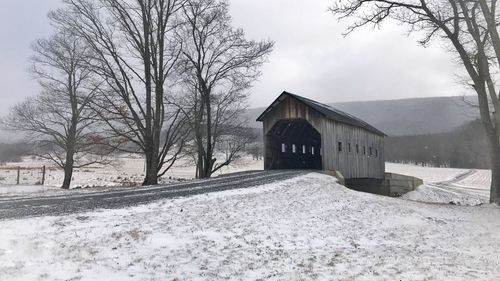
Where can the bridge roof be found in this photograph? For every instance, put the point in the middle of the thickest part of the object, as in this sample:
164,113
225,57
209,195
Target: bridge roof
325,110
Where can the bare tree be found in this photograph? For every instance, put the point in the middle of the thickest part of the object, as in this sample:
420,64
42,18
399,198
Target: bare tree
470,27
229,131
219,65
256,149
59,121
135,55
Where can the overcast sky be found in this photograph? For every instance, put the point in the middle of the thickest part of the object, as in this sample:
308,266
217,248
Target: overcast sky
311,57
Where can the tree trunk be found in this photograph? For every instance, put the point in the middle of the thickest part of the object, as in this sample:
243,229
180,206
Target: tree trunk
209,149
200,173
68,174
200,167
494,142
495,176
494,149
70,144
151,175
68,169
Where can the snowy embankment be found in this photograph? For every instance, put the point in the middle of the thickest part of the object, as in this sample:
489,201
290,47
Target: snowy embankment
307,228
446,185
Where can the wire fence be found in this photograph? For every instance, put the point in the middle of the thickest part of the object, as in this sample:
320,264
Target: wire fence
18,175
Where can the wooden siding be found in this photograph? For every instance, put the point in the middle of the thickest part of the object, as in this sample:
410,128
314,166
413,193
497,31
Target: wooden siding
289,109
350,164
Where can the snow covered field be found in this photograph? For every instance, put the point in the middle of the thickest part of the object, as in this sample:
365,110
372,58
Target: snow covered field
307,228
481,179
427,174
127,171
442,185
446,185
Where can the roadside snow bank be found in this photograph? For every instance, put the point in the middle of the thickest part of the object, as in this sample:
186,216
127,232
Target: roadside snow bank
307,228
44,190
23,189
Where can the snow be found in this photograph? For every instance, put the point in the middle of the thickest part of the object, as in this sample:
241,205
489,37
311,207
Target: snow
435,194
427,174
441,185
446,185
24,189
306,228
127,171
29,191
481,179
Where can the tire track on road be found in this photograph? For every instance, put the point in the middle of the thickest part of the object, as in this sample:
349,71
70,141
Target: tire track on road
69,204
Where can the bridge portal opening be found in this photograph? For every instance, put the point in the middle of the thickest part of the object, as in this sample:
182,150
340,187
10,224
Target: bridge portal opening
293,144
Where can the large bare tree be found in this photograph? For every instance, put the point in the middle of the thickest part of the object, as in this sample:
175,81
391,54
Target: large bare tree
470,28
135,54
219,65
59,121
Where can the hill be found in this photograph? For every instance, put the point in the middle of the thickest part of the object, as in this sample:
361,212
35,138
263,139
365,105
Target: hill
405,116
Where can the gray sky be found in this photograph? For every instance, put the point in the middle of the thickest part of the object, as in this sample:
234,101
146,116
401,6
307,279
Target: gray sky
311,57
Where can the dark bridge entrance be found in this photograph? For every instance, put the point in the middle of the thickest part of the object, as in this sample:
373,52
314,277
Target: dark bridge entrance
293,144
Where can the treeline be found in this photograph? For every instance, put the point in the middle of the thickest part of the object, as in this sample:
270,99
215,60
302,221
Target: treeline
464,147
12,152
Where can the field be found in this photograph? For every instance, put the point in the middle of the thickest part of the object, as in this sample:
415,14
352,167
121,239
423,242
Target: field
307,228
442,185
126,171
447,185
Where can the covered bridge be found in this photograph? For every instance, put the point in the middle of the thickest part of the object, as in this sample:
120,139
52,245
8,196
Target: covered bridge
300,133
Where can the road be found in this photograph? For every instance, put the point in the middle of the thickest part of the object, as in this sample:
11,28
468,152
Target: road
453,185
457,178
13,208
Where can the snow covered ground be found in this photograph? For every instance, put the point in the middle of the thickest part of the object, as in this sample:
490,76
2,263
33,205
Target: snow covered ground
446,185
127,171
481,179
307,228
427,174
442,185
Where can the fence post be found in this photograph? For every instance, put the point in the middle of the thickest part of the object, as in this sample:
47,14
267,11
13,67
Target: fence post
18,174
43,175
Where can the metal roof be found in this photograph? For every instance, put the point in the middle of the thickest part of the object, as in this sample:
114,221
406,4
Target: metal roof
325,110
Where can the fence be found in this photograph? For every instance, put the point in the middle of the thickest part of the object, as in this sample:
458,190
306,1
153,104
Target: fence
10,175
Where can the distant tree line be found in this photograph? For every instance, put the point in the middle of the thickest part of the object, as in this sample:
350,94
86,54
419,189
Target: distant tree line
464,147
13,152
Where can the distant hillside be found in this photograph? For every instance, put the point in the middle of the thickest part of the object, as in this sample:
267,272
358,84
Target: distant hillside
464,147
405,116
